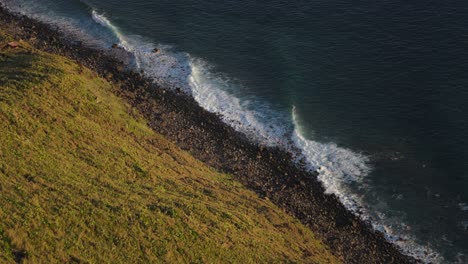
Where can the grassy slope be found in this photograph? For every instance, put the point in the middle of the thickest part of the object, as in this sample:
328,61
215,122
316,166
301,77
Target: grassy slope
82,178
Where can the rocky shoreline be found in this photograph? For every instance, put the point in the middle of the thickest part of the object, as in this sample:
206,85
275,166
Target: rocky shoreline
268,171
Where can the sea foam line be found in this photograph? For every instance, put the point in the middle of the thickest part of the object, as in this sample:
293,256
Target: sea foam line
337,167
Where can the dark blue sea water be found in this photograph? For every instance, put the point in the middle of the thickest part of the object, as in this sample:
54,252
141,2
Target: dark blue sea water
374,93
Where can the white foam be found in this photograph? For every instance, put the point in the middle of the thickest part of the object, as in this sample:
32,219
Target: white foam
338,167
103,21
251,117
40,11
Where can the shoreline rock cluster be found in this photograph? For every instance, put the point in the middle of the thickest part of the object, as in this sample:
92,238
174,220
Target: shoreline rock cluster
270,172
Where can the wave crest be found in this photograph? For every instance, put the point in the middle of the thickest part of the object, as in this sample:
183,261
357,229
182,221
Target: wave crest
338,167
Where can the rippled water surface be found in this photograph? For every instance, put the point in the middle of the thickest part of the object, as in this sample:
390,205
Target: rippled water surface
373,92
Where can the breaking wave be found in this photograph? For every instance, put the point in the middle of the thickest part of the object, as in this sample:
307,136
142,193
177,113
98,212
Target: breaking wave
338,167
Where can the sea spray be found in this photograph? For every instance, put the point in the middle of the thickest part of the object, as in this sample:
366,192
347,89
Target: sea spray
103,21
337,167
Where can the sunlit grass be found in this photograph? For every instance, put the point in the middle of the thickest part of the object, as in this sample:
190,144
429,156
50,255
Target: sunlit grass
83,179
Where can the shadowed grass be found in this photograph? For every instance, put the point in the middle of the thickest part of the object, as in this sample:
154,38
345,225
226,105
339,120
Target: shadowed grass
83,179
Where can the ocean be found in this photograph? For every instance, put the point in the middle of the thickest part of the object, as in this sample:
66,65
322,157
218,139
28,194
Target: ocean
371,93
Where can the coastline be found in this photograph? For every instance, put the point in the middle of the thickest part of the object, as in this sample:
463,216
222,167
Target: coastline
268,171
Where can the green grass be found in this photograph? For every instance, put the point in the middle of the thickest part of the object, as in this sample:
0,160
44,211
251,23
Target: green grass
83,179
